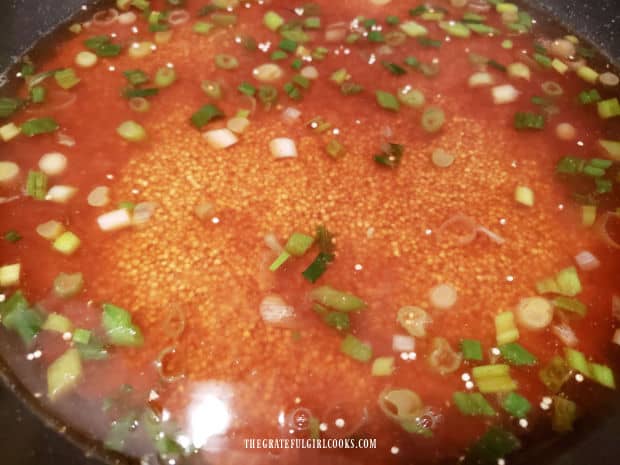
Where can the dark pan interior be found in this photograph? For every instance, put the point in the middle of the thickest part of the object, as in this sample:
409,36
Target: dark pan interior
25,439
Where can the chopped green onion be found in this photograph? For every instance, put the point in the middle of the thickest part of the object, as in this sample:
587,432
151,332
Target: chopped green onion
428,42
247,89
498,66
526,120
555,374
297,63
119,328
224,20
68,284
340,76
524,195
316,269
37,94
392,20
320,53
102,46
413,29
334,148
505,328
67,243
589,96
433,119
165,77
387,100
19,317
382,366
213,89
130,93
36,126
472,404
495,444
203,27
8,106
394,68
288,45
609,108
292,91
455,29
57,323
356,349
63,374
571,304
81,336
603,375
564,414
516,405
278,262
278,55
273,20
135,77
577,361
298,244
390,156
267,94
570,165
12,236
337,300
131,131
419,10
301,81
375,36
224,61
36,185
568,281
92,350
603,186
205,115
516,354
350,88
471,349
542,60
313,22
28,69
337,320
411,97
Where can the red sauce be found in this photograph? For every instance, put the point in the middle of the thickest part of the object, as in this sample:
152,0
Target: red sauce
243,378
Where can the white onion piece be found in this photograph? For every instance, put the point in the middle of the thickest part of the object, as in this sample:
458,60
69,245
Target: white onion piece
290,115
50,230
272,242
8,172
114,220
159,366
64,139
491,235
221,138
99,196
238,124
275,312
127,18
615,307
586,261
402,343
268,72
203,210
53,163
565,131
441,158
504,94
459,219
282,147
601,227
616,337
309,72
58,100
105,17
60,194
443,296
178,17
385,50
335,33
143,212
479,6
480,79
565,334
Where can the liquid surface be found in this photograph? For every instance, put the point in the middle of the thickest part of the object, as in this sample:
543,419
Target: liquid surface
194,284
